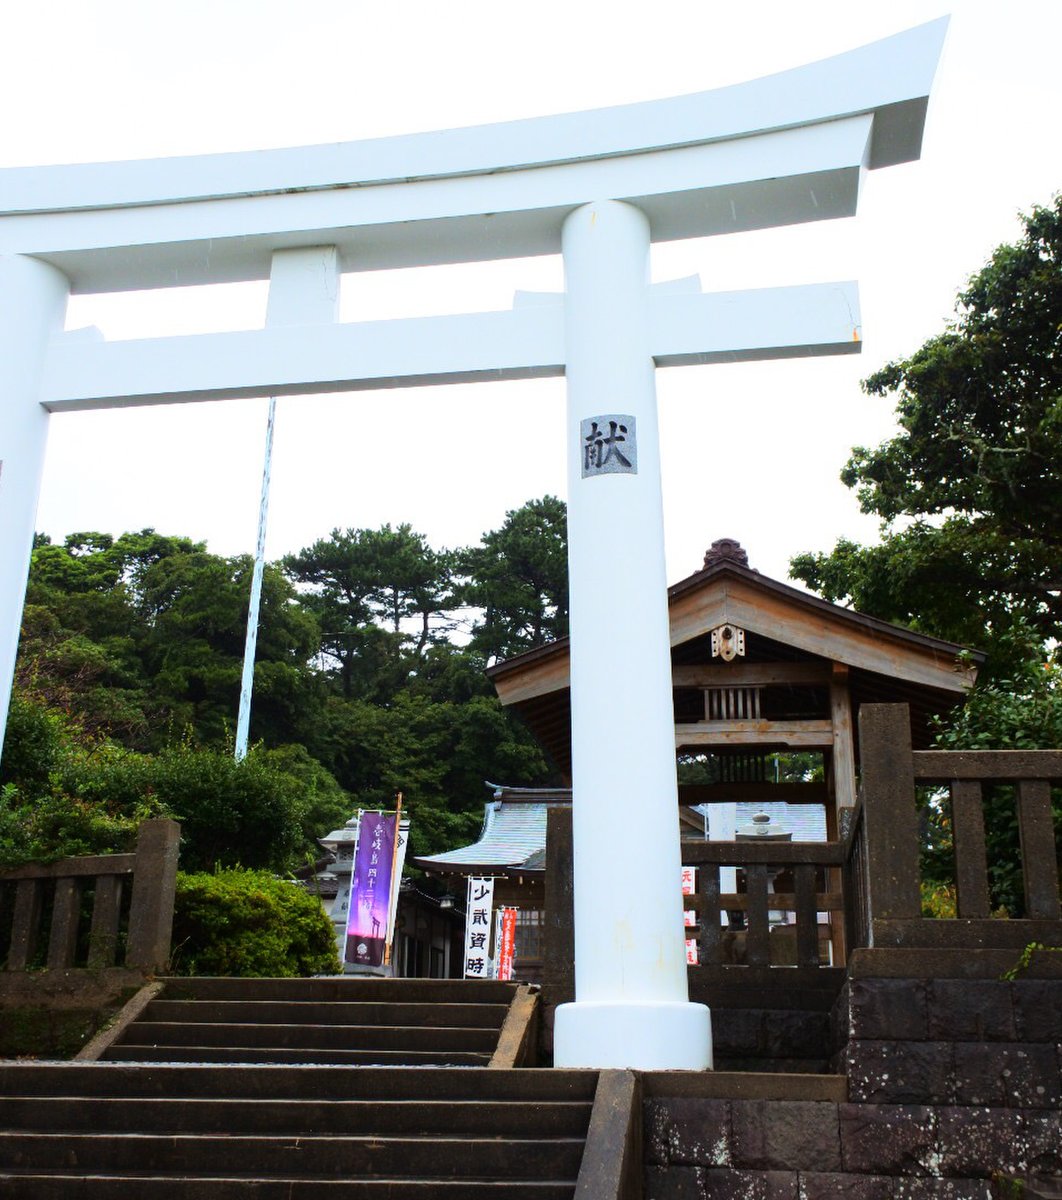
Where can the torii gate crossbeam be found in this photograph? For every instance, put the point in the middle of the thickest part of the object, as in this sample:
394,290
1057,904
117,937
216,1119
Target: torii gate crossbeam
596,187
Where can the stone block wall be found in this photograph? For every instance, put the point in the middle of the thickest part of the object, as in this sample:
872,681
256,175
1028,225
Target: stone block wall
770,1039
988,1042
817,1150
954,1082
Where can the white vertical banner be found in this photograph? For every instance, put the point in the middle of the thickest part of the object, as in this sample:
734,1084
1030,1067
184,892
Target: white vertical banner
396,881
479,907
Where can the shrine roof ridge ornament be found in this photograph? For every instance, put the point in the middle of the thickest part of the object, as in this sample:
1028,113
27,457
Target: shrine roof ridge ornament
778,150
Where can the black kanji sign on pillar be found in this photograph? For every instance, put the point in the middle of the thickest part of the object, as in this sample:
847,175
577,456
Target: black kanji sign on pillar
609,445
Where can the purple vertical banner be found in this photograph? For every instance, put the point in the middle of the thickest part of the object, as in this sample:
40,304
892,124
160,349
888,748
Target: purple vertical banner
370,890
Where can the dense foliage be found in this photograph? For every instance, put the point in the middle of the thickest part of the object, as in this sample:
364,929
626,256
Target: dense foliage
368,681
970,496
518,577
970,489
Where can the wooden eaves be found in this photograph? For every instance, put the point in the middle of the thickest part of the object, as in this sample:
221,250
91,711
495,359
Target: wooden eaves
795,639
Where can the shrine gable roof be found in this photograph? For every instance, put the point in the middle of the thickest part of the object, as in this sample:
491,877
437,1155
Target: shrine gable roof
787,631
729,592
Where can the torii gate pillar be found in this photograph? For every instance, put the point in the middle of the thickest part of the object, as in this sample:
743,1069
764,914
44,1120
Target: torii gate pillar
630,967
32,307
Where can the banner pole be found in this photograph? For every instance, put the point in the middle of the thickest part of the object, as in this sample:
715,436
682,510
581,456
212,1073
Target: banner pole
394,860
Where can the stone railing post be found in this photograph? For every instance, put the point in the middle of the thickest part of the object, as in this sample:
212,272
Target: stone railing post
154,886
559,951
890,817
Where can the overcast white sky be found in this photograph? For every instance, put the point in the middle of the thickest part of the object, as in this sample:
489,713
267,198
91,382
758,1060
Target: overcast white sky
750,451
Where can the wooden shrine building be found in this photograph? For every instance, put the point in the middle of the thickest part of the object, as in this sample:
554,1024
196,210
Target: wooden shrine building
761,668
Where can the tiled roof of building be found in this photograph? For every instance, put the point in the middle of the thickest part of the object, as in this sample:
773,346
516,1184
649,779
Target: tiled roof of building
806,822
511,833
515,834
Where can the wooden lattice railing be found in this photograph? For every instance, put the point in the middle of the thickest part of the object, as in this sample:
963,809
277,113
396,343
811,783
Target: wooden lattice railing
783,878
97,911
869,882
738,943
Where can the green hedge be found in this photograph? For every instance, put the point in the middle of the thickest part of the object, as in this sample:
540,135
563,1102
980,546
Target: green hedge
249,923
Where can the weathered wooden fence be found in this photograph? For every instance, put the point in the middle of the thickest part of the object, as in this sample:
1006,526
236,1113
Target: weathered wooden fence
97,911
746,949
863,890
750,942
884,901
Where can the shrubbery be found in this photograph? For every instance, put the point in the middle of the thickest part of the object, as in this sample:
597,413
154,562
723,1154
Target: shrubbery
63,793
60,826
248,813
249,923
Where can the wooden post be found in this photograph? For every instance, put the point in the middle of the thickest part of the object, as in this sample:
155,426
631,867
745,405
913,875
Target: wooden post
711,928
807,918
106,915
25,924
843,755
971,858
757,939
154,885
842,772
889,815
559,952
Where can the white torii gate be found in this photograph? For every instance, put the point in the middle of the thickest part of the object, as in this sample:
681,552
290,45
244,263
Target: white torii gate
597,187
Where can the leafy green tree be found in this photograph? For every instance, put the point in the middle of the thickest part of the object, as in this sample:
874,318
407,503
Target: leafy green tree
130,669
970,496
437,753
66,793
246,814
142,638
382,598
970,489
83,629
518,577
196,608
36,738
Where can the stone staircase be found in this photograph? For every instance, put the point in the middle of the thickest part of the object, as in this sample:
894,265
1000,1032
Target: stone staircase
381,1022
218,1089
214,1132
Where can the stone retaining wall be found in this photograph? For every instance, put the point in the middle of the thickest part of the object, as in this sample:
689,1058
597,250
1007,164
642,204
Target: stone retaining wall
954,1079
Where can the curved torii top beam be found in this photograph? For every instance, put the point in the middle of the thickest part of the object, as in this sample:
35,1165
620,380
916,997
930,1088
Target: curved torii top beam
779,150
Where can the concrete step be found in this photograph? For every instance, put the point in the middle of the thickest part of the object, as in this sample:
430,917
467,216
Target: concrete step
357,1021
498,1118
338,1012
96,1186
773,1066
437,1039
304,1155
269,1082
249,1055
342,988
